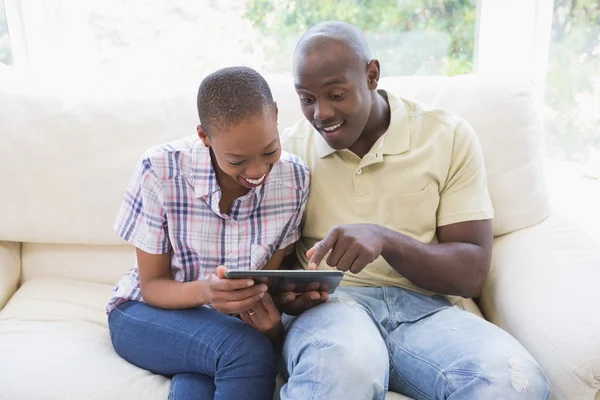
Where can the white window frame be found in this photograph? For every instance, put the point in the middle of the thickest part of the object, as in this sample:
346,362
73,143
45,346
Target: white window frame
513,38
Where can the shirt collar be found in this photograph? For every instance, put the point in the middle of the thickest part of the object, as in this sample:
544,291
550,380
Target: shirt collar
396,140
203,173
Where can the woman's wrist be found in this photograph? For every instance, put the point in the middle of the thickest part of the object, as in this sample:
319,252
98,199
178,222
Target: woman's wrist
197,292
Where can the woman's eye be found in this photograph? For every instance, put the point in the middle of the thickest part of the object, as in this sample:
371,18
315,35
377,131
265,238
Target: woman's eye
271,153
337,96
306,100
236,164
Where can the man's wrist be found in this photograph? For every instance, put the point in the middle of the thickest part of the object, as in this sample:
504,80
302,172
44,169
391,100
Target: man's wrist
393,243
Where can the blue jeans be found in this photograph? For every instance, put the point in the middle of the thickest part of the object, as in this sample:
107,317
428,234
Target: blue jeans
208,354
364,341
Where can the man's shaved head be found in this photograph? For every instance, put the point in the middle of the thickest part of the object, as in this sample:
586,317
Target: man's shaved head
320,36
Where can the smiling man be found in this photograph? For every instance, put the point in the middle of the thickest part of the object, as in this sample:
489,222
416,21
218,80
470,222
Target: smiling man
399,201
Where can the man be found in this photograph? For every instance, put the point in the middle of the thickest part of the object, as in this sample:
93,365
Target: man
399,201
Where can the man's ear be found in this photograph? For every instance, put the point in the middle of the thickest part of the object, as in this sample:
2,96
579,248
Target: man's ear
373,73
203,136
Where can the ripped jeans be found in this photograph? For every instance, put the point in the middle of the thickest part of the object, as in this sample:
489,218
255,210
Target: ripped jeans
366,341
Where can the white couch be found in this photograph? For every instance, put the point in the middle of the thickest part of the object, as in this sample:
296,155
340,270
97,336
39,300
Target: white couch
65,160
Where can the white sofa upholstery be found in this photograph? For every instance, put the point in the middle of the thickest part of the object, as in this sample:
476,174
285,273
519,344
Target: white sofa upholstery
65,160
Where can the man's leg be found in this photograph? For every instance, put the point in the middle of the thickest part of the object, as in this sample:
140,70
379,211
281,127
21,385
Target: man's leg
453,354
335,351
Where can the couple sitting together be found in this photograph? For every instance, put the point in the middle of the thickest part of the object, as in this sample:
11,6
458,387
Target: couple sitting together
390,191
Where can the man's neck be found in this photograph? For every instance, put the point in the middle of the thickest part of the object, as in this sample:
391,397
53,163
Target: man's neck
377,125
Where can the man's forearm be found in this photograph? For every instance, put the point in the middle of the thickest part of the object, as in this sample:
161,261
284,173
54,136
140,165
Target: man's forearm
444,268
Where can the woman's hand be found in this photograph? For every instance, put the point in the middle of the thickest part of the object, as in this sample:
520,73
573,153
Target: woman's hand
232,296
265,317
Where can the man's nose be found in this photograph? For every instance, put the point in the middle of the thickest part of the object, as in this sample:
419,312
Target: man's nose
323,111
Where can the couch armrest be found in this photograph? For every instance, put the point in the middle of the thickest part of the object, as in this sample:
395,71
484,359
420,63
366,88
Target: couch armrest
10,270
544,288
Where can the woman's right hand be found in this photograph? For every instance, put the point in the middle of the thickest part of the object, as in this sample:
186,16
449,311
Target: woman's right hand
232,296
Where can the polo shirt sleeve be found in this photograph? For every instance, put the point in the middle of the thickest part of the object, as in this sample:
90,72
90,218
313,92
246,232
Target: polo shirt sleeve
293,228
142,220
464,195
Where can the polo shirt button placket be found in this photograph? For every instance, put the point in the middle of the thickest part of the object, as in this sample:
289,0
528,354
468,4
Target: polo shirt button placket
359,171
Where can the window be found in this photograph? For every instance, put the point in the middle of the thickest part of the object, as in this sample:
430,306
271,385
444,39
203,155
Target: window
5,49
572,117
183,40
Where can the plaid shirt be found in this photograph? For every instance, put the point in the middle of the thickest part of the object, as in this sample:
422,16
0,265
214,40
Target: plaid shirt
172,204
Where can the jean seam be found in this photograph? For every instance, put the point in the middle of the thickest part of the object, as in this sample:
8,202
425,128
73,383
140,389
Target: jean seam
391,313
172,389
311,342
393,364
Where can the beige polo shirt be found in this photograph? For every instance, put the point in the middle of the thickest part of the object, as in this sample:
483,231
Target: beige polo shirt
426,171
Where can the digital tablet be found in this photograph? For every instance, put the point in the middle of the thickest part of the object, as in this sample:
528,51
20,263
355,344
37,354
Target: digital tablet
297,280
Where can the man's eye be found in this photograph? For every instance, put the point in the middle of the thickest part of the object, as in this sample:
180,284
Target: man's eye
337,96
306,100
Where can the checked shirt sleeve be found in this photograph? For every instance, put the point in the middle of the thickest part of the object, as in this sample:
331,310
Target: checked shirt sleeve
142,220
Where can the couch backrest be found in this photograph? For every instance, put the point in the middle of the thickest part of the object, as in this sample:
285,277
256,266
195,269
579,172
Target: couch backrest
65,159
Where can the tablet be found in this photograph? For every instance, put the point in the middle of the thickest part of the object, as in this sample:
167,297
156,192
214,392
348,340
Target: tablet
296,280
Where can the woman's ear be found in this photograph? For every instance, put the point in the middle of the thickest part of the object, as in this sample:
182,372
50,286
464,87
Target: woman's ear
203,136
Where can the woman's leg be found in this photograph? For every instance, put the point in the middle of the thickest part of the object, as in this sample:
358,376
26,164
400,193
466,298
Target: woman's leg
191,387
196,341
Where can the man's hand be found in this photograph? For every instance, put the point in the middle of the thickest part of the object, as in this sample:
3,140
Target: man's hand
296,303
265,317
232,296
352,247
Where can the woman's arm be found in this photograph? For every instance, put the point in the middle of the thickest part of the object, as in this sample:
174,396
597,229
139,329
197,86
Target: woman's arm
160,290
230,296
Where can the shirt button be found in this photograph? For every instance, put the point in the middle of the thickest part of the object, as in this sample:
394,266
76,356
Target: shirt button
358,171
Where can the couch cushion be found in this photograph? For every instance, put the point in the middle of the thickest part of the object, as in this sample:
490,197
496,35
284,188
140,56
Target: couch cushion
75,152
55,344
100,264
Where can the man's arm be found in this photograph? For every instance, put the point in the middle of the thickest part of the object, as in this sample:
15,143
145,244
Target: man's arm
457,265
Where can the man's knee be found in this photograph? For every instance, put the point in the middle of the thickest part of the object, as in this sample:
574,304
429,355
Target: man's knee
343,361
499,376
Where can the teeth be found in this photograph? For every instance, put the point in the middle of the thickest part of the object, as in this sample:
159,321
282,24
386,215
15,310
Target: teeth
256,181
332,128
